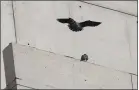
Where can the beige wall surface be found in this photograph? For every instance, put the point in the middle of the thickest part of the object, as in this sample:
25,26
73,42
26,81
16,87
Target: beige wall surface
7,33
111,44
40,69
129,7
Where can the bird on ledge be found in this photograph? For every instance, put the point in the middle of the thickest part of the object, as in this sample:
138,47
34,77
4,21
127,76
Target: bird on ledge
84,57
75,26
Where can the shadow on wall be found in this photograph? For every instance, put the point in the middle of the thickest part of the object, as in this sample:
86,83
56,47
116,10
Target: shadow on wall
9,67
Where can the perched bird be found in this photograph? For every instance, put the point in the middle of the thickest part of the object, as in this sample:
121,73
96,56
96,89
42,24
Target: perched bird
75,26
84,57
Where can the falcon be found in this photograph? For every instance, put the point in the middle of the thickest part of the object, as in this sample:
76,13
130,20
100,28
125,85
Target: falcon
78,26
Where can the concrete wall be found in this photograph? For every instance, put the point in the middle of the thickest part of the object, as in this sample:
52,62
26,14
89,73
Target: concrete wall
7,33
39,69
129,7
112,44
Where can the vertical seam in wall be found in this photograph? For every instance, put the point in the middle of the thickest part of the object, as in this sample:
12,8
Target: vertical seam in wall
128,40
14,21
131,81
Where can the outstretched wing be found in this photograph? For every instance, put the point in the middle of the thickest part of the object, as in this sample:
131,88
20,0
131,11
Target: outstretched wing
68,20
89,23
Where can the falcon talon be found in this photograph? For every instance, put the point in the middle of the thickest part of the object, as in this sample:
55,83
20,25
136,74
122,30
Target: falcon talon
75,26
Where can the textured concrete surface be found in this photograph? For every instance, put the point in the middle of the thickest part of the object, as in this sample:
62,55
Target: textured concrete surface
10,73
115,40
40,69
135,81
23,87
129,7
7,33
112,44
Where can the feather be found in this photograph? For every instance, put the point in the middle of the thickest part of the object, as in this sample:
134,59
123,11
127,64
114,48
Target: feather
89,23
64,20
